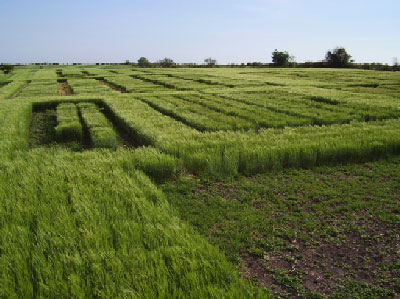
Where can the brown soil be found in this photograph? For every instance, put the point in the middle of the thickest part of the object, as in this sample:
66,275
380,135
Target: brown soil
253,267
64,89
365,258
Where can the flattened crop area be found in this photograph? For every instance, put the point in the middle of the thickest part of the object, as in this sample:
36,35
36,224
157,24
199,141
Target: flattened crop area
213,183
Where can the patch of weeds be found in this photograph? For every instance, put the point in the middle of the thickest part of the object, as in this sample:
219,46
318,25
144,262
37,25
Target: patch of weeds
256,252
315,221
356,289
293,282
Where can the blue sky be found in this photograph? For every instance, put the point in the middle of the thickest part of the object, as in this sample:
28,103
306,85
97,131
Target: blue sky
189,31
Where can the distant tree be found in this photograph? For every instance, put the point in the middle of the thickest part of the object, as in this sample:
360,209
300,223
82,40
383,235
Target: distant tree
395,64
143,62
280,58
210,62
254,64
6,68
167,62
338,58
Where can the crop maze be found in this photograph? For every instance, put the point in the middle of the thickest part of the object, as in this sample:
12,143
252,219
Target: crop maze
158,182
222,121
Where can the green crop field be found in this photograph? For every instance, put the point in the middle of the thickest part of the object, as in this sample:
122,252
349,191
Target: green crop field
131,182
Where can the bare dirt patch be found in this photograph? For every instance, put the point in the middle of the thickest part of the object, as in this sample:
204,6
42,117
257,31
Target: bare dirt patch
253,267
368,258
64,89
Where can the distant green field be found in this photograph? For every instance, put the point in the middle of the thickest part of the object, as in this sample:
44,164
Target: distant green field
84,149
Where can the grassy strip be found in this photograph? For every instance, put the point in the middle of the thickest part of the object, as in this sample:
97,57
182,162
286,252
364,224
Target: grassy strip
40,89
113,85
171,81
159,166
14,127
230,153
196,116
45,74
69,127
12,89
149,125
19,78
88,86
259,115
134,85
285,101
101,131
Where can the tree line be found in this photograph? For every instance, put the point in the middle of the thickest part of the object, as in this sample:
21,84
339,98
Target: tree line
336,58
168,62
